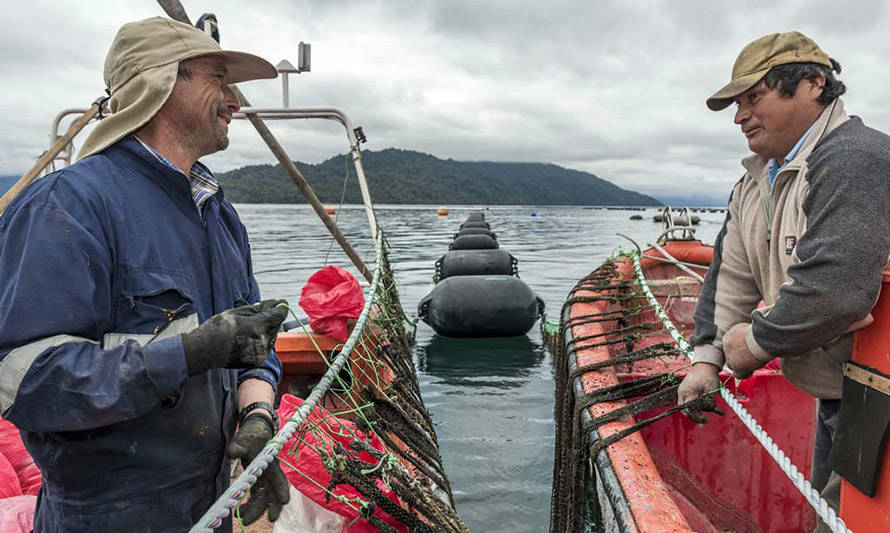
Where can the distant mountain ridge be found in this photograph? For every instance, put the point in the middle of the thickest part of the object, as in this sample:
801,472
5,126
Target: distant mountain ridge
406,177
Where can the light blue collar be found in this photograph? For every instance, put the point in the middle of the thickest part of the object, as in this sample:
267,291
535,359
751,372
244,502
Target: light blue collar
774,167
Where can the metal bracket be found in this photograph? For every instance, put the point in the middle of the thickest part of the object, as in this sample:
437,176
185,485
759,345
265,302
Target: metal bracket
868,376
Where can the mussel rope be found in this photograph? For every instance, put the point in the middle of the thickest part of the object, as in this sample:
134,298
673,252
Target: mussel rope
825,512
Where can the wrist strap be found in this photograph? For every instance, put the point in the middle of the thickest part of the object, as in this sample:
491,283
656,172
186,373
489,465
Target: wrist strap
265,406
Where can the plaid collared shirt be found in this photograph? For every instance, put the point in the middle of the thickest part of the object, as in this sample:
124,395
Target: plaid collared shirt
202,182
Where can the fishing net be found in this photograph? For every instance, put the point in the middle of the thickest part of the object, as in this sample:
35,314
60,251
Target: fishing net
632,331
363,441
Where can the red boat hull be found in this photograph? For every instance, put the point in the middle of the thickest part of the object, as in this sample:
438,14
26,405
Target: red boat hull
675,475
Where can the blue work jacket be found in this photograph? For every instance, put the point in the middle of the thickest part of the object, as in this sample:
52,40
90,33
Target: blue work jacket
102,266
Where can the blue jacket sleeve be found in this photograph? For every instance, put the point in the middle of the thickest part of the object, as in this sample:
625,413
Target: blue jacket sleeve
55,306
270,371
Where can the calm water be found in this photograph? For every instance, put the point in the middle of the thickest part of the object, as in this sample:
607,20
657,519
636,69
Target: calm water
492,400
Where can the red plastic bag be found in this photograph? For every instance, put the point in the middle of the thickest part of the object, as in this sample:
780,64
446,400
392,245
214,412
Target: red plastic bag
9,480
17,514
303,454
12,447
332,297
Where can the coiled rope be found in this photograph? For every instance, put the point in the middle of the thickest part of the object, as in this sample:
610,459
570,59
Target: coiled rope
229,499
825,512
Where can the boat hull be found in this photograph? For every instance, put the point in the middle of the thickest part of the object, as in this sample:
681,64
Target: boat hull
676,475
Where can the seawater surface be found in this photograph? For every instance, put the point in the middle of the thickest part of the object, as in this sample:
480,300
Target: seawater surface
491,399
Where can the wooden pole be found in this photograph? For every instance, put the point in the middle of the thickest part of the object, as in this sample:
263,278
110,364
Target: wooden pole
48,156
174,9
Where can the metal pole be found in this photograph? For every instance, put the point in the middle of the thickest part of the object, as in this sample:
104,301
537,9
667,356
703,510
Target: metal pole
174,9
305,188
285,90
48,156
330,114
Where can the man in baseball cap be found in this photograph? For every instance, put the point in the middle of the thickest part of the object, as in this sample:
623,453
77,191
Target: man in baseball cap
807,233
135,354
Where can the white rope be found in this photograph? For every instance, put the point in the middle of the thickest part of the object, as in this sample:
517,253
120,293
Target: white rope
221,508
825,512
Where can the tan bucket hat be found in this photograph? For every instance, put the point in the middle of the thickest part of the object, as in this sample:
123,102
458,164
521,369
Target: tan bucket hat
140,71
760,56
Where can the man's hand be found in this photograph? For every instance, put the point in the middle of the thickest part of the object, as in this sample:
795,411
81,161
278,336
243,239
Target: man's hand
271,490
238,338
702,378
738,357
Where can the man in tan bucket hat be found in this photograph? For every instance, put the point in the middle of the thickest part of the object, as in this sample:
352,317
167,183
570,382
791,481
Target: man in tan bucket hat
807,233
135,354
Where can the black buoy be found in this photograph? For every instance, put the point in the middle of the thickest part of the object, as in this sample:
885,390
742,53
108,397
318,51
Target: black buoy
481,306
473,242
475,262
476,231
475,224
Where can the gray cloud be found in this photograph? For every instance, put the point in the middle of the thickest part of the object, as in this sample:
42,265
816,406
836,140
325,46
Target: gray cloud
611,87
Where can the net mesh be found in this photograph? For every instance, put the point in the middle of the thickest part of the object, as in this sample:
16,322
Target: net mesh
389,455
366,423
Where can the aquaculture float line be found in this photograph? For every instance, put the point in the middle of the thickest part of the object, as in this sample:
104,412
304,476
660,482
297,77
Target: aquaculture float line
221,508
825,512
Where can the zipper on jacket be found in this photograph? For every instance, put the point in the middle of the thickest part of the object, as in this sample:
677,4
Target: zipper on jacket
766,201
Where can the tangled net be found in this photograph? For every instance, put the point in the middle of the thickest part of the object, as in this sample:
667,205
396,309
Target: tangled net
366,422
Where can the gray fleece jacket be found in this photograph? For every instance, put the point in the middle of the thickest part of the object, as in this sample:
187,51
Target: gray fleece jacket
812,247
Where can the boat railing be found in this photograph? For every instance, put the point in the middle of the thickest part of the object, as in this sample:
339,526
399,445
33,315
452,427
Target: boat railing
676,229
355,136
67,152
677,224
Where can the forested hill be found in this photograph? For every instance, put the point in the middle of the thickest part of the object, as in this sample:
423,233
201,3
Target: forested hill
407,177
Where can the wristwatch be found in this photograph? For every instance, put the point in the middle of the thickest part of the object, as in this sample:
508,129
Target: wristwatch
265,406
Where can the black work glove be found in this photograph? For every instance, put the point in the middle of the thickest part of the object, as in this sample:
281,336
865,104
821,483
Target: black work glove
271,491
238,338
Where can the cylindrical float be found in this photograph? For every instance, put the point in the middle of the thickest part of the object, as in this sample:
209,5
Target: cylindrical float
473,242
480,306
475,263
442,211
476,231
475,224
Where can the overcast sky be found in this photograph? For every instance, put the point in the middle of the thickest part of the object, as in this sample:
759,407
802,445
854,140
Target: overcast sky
615,88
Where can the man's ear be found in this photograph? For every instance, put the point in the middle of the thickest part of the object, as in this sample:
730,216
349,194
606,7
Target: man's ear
816,86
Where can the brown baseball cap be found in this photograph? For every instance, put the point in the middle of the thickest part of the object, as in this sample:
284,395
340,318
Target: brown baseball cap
140,71
760,56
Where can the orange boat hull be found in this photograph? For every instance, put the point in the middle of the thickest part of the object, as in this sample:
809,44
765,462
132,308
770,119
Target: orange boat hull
675,475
